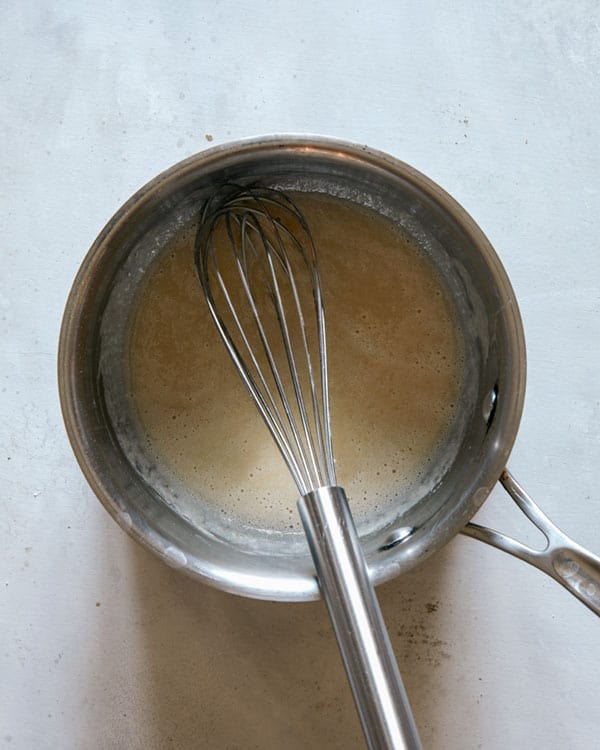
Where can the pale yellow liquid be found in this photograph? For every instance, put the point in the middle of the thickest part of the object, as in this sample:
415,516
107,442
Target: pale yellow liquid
395,369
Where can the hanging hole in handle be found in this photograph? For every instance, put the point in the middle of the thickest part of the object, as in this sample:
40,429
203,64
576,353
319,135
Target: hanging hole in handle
513,523
397,537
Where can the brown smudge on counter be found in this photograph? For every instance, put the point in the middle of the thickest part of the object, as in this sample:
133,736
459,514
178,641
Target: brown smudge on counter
419,645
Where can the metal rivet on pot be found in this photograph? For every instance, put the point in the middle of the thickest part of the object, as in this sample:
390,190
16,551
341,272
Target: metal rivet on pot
396,537
489,404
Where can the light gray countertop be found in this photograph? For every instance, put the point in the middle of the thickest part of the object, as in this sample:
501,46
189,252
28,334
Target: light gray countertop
105,647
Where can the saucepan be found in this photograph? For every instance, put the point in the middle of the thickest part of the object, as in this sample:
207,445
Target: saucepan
265,563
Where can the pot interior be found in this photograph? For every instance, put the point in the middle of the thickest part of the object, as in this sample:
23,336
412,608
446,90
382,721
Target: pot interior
253,558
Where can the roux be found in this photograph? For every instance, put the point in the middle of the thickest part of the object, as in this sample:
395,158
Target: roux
395,371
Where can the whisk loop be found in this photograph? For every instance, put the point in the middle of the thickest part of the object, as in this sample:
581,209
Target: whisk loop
271,318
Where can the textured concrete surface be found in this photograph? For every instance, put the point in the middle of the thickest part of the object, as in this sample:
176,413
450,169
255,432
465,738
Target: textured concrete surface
104,647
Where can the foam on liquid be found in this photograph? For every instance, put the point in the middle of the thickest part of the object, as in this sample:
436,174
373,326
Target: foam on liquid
395,369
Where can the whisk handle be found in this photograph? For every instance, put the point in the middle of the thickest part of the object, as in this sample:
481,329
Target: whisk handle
361,634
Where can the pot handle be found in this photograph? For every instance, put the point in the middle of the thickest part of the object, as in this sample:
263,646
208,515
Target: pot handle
563,559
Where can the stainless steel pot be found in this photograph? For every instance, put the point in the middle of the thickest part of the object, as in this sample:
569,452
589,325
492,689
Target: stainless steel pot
253,561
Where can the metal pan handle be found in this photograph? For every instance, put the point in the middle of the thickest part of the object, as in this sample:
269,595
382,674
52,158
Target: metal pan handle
563,559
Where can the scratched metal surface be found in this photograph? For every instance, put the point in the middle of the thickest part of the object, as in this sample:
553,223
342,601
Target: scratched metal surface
103,646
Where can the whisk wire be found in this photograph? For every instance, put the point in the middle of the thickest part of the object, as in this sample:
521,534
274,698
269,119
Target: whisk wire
263,397
290,349
321,418
275,295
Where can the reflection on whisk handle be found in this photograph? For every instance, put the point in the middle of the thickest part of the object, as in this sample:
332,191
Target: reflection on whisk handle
361,634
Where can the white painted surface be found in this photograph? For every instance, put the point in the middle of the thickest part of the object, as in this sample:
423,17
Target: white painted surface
102,645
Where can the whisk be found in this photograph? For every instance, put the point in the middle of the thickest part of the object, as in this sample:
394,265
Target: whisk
257,265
